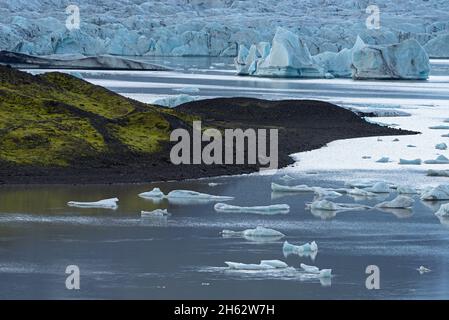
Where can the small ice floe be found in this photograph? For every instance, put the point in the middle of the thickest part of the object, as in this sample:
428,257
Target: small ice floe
258,232
158,213
263,265
384,160
400,202
443,212
406,190
324,273
439,160
438,173
411,146
156,193
307,249
193,195
423,270
441,146
410,162
440,127
265,210
188,90
360,193
213,184
300,188
379,187
327,205
102,204
440,192
361,183
287,178
396,140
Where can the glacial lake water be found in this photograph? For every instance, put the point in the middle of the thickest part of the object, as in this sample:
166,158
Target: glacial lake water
121,255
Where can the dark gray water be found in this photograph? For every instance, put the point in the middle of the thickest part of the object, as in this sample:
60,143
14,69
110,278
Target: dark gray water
122,256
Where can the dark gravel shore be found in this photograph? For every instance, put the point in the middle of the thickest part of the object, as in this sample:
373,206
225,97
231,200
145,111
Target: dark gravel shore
303,125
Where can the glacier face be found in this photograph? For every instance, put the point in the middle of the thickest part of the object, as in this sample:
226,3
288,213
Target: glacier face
215,27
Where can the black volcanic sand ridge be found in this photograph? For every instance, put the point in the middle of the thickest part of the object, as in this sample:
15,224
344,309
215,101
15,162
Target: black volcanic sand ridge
303,125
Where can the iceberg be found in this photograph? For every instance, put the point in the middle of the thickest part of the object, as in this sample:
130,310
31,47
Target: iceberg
188,194
158,213
404,60
188,90
156,193
324,273
440,192
406,190
361,183
438,173
263,265
287,178
258,232
300,188
288,248
440,127
441,146
384,160
360,193
400,202
410,162
173,101
326,205
266,210
438,47
288,56
443,212
102,204
423,270
379,187
439,160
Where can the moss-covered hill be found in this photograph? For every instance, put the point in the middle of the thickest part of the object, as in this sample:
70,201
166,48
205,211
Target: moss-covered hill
56,119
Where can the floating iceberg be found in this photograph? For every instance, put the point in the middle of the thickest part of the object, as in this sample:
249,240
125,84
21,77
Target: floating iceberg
361,183
384,160
438,173
156,193
441,146
438,47
258,232
324,273
288,248
173,101
287,57
193,195
405,60
400,202
406,190
158,213
439,160
440,192
423,270
300,188
360,193
440,127
263,265
102,204
379,187
326,205
321,192
443,212
266,210
410,162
